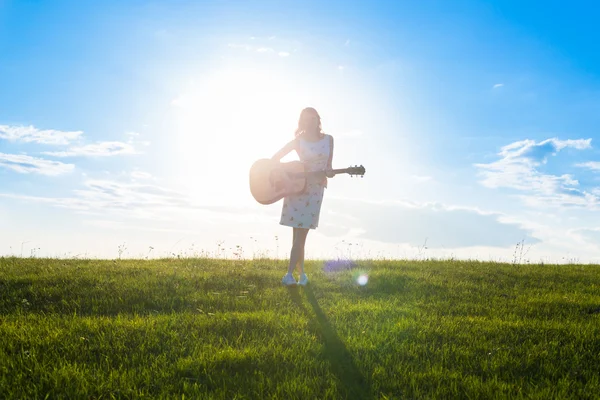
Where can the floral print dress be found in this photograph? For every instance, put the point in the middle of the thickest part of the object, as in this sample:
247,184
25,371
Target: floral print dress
302,210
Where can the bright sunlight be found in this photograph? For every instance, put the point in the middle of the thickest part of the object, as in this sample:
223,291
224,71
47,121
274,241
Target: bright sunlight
227,121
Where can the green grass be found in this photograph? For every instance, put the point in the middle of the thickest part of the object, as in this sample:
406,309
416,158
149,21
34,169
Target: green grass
215,329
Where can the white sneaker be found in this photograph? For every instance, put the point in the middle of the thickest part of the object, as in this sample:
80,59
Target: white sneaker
303,280
288,280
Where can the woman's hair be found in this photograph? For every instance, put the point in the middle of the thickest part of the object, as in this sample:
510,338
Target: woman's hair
305,118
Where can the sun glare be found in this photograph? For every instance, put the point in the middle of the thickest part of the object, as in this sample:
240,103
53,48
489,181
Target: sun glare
362,280
226,122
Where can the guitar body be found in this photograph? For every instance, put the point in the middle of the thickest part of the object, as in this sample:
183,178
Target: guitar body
270,180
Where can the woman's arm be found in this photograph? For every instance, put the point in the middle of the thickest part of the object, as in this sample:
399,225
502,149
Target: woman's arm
284,150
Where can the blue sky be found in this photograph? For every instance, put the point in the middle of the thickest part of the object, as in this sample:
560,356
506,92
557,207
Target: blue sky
135,123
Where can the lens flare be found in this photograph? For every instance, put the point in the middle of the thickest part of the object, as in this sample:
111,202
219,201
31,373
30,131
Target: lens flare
362,280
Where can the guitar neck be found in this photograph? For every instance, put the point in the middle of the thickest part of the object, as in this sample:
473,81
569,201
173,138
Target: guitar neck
340,171
312,173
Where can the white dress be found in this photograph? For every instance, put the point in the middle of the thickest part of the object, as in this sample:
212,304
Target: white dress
303,210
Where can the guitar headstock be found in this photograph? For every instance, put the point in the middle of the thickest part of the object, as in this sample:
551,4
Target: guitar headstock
356,170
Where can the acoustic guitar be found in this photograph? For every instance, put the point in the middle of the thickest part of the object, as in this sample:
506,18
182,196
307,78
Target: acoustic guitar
271,180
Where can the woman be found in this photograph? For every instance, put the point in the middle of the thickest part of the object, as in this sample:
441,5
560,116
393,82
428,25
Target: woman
301,211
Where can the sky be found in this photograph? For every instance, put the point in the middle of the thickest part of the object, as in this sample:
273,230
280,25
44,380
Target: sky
127,129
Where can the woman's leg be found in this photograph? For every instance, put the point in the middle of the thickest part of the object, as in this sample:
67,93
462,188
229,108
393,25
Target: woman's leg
297,253
294,256
301,240
294,236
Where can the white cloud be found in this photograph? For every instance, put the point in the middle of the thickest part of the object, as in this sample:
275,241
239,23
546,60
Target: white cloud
140,175
566,198
104,197
99,149
30,134
138,200
25,164
120,226
518,168
529,149
498,85
264,50
579,144
283,54
593,165
444,226
590,235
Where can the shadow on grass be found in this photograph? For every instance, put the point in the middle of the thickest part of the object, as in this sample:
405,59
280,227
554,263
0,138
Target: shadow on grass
342,364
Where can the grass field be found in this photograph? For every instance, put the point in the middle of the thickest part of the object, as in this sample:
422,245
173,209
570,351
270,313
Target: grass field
218,329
